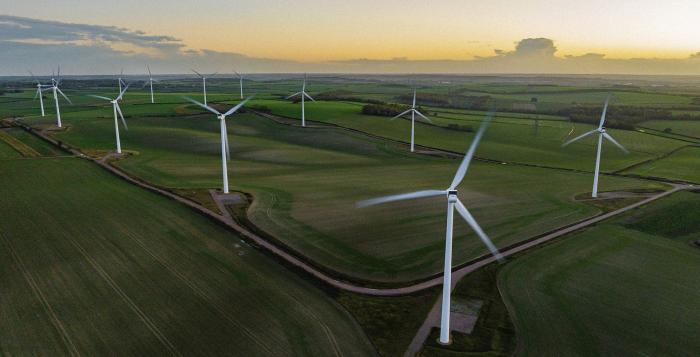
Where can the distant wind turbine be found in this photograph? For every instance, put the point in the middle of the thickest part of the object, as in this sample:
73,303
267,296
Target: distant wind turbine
601,134
150,82
225,155
240,80
121,82
302,94
55,82
413,112
204,83
39,89
117,110
453,203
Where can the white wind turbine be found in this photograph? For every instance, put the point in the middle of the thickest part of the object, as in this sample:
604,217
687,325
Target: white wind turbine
117,110
413,112
601,134
39,89
303,94
54,87
204,83
224,133
121,81
150,82
453,203
240,80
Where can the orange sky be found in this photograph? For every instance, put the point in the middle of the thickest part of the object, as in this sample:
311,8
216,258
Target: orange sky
316,30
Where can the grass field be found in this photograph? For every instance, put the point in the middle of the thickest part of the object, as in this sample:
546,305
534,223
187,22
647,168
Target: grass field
510,140
681,165
680,127
306,183
624,287
92,265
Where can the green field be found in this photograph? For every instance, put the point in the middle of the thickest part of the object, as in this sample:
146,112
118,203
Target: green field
93,265
511,140
683,164
306,183
679,127
624,287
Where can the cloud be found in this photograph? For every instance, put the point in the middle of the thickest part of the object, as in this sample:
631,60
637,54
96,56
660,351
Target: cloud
40,45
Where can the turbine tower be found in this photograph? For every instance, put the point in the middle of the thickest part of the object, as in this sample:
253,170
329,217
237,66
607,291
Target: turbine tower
54,87
115,107
413,112
240,80
601,134
204,83
453,203
303,94
39,89
224,133
150,82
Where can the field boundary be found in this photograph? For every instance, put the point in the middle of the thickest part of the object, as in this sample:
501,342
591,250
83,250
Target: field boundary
22,148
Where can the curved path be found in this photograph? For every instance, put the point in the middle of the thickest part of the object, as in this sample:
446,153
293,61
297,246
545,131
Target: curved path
288,257
433,319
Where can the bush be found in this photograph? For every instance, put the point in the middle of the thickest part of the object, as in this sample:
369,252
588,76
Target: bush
668,130
384,110
465,128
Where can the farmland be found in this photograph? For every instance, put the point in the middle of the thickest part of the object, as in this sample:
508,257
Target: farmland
581,296
93,265
306,182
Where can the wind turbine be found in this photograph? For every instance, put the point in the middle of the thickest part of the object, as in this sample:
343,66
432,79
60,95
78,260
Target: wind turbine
303,94
40,88
121,82
601,134
204,83
224,133
115,107
54,87
150,82
453,203
240,80
413,112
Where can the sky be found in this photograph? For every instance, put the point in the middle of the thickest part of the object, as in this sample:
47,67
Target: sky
438,36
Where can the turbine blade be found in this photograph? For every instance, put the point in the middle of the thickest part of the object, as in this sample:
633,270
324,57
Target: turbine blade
424,117
64,96
607,136
414,98
238,74
605,111
38,91
308,96
400,115
213,74
119,110
202,105
123,91
400,197
462,170
99,97
149,71
293,95
238,106
464,212
579,137
199,74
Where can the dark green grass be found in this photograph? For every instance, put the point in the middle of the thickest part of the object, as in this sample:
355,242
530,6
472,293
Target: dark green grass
610,290
390,322
113,260
493,333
